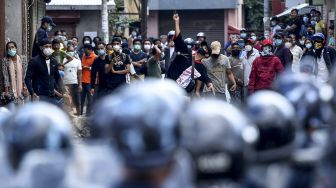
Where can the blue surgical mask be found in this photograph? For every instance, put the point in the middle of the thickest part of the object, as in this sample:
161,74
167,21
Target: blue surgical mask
137,47
101,52
309,46
278,42
305,19
243,35
71,54
49,28
254,38
313,22
11,53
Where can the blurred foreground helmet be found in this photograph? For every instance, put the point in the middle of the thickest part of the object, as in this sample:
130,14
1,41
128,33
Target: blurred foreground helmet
310,101
4,114
217,136
36,126
142,124
189,42
275,118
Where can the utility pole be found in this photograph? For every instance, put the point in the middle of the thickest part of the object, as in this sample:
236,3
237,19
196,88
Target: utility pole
267,29
144,4
105,25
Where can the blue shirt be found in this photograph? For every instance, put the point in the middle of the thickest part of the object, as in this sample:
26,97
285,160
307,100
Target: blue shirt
137,57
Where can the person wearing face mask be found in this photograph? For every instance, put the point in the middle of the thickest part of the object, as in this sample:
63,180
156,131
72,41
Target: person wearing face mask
219,71
275,25
42,78
147,46
73,78
310,31
281,51
138,58
308,62
306,22
331,41
117,68
169,52
42,33
264,69
87,61
326,58
320,26
98,86
86,40
243,34
237,64
14,69
296,53
151,68
302,41
251,55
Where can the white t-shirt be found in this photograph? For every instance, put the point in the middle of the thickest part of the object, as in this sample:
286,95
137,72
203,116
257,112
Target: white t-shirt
48,65
323,73
70,71
248,65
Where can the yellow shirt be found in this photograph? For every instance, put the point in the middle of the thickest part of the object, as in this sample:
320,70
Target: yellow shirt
320,26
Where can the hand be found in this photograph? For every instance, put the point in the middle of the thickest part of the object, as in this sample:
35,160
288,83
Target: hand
176,18
197,94
210,87
34,97
80,88
234,87
92,92
7,94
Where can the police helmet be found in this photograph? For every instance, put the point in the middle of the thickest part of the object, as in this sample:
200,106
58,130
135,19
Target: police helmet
201,34
36,126
143,125
275,118
189,42
310,101
217,135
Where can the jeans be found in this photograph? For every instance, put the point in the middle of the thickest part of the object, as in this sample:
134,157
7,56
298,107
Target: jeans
74,93
86,95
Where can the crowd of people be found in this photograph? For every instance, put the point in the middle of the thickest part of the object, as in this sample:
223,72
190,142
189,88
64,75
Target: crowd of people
256,112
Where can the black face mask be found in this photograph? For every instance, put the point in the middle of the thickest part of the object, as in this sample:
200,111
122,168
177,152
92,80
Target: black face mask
310,33
235,53
215,55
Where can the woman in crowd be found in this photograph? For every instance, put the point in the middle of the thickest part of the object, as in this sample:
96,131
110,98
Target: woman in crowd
14,70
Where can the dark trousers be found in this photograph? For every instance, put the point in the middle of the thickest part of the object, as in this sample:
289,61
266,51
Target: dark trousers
51,100
74,93
86,95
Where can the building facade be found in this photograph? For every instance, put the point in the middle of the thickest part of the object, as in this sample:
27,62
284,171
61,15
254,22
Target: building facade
78,17
19,21
216,18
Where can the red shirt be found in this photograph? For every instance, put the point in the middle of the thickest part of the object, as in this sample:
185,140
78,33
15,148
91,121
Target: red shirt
263,73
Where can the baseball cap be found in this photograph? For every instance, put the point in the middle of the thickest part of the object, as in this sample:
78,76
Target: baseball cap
215,47
48,20
318,35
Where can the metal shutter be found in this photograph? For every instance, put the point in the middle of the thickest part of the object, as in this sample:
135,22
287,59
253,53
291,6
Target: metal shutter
211,22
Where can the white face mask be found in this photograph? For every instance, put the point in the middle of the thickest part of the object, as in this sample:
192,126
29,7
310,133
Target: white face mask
267,50
309,45
302,42
86,42
117,48
288,44
47,52
147,47
248,48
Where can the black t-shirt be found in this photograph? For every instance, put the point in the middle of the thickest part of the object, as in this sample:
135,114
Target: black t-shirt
298,24
98,66
203,71
120,63
137,57
182,60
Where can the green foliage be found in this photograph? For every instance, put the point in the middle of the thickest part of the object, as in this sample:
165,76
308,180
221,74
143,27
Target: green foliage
254,13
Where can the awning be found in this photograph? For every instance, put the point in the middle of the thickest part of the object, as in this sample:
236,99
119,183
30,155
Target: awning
288,11
79,5
191,4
